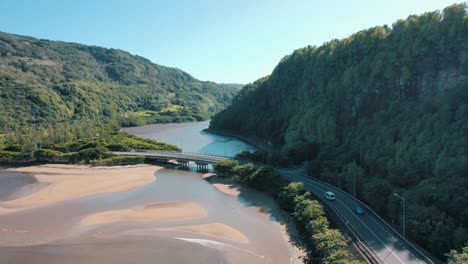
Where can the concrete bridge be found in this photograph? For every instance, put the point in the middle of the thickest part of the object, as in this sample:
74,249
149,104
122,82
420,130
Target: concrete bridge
183,158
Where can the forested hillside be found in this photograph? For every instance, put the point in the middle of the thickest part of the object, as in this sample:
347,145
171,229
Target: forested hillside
387,106
45,81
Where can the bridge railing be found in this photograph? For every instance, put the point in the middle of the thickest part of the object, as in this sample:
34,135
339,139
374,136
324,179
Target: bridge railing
187,155
174,154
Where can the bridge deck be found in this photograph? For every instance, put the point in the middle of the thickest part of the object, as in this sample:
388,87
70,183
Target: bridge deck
174,155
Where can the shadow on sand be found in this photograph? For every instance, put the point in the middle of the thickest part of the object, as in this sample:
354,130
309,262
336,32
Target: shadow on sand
266,204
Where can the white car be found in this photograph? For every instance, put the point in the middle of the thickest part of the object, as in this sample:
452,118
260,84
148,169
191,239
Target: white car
330,196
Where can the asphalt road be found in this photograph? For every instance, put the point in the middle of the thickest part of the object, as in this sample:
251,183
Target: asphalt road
374,234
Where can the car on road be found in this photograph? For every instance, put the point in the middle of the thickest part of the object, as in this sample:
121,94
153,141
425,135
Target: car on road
358,209
330,196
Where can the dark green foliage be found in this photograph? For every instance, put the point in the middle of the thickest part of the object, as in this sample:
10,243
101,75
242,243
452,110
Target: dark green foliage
85,142
455,257
118,160
257,156
225,168
8,156
45,81
48,155
265,179
385,106
243,172
287,195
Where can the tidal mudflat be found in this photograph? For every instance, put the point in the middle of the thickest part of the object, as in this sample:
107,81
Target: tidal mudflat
135,214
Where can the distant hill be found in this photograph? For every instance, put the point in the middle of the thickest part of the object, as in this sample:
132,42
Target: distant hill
233,85
385,106
44,81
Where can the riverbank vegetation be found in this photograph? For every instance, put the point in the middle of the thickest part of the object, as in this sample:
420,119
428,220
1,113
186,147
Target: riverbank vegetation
386,108
326,245
86,142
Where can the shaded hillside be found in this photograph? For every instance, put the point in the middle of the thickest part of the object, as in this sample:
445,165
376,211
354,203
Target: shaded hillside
387,106
45,81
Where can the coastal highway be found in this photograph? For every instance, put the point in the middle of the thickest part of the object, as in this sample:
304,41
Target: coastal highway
381,242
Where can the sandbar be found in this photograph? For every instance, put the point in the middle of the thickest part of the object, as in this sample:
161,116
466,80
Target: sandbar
228,189
66,182
148,213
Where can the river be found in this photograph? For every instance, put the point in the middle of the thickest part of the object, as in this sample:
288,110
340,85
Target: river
213,221
190,137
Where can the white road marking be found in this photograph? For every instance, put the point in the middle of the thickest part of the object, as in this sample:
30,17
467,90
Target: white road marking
307,181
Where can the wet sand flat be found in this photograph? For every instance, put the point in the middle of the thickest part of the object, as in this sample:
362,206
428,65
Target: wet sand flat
148,213
115,252
178,218
16,184
65,182
216,230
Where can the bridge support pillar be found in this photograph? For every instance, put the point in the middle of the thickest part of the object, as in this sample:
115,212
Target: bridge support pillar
183,164
202,166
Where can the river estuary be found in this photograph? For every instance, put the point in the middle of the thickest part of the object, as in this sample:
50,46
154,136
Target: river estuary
77,214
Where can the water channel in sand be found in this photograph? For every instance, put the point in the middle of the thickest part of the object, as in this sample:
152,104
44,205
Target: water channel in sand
179,217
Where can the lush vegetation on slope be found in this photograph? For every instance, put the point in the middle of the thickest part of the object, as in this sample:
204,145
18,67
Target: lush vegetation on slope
45,81
385,106
326,245
79,142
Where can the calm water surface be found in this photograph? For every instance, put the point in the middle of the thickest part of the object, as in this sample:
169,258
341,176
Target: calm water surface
191,138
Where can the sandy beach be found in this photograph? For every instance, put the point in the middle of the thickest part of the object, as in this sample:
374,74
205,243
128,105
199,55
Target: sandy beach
65,182
227,187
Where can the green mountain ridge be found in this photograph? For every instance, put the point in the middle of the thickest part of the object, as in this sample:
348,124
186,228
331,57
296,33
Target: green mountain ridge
387,106
44,81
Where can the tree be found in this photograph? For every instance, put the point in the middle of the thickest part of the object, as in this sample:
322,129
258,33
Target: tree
243,171
48,155
307,210
455,257
353,175
265,179
329,241
288,194
225,168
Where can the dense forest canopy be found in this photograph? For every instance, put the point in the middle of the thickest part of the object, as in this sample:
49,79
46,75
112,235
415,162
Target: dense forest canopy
387,106
45,81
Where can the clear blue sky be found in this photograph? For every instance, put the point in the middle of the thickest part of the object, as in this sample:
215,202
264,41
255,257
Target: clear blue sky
224,41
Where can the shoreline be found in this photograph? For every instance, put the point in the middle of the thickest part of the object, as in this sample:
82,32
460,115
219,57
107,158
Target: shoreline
254,141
